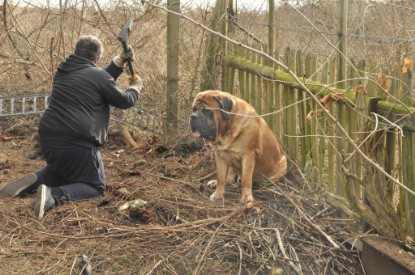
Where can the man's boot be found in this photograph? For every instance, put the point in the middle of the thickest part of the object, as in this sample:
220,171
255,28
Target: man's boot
19,186
44,201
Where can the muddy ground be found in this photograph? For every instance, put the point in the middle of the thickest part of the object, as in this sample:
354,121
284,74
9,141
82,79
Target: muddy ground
289,230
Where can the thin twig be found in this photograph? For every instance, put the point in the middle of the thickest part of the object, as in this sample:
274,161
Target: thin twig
240,259
304,215
281,246
201,261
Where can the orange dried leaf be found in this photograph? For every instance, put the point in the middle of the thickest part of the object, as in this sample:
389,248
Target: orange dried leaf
309,117
383,80
331,97
360,90
407,64
6,137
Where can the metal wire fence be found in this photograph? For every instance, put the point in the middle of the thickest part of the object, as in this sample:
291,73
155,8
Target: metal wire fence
380,32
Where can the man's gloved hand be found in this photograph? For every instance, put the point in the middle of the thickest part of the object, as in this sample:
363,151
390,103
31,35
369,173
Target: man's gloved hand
121,59
136,84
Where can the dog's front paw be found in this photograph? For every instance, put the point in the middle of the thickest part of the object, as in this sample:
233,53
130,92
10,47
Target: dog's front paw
211,184
247,198
216,197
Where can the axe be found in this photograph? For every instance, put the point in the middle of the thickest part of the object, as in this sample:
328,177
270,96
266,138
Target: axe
122,37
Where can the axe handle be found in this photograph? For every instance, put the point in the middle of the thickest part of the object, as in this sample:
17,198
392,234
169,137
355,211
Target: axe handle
130,64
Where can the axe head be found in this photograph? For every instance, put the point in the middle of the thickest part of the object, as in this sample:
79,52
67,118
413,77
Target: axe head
125,31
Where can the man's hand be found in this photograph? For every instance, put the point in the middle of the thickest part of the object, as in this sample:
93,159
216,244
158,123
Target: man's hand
121,59
136,84
125,56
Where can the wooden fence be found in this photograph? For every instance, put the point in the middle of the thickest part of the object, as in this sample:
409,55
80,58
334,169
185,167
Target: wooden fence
357,143
373,185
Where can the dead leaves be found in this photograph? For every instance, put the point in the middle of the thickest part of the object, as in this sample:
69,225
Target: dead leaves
326,101
384,81
6,137
332,97
310,115
407,65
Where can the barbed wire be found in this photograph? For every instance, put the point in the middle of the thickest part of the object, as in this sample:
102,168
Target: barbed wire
309,30
245,22
376,38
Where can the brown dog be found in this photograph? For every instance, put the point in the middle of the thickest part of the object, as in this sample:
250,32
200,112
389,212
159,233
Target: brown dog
241,140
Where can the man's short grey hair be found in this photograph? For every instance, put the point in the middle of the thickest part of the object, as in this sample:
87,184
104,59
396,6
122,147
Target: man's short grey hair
89,47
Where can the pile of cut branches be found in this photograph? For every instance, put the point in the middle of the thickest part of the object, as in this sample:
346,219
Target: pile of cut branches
290,229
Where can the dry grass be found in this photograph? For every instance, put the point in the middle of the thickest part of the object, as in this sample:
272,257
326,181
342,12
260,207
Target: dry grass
290,227
180,231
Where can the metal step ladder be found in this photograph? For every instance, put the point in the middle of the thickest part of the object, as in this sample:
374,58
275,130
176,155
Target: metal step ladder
23,105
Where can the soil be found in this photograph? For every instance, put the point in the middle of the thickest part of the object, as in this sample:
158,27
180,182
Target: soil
289,229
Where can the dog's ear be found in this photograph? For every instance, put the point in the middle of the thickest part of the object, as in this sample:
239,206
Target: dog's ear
225,103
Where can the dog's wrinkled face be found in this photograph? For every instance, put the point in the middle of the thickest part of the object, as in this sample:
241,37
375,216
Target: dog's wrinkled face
204,120
203,124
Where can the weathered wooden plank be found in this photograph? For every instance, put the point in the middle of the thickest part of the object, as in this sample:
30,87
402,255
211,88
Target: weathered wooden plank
331,151
278,104
267,106
253,84
302,113
311,69
290,111
408,163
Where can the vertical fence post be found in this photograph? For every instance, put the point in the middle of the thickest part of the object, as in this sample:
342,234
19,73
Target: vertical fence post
302,113
271,27
229,79
290,114
411,185
223,29
210,76
173,21
341,76
259,88
316,150
341,65
242,76
254,79
278,103
408,162
332,140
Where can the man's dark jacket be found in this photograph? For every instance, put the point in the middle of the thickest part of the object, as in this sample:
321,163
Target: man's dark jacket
78,112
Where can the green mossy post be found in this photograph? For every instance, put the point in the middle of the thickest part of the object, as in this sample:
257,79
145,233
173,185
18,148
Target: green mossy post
290,114
242,77
331,151
315,149
303,110
259,88
278,103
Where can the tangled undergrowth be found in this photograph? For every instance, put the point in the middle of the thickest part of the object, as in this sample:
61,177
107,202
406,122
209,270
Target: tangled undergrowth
289,230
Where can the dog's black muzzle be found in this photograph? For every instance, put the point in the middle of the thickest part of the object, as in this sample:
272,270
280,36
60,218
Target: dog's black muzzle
202,124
